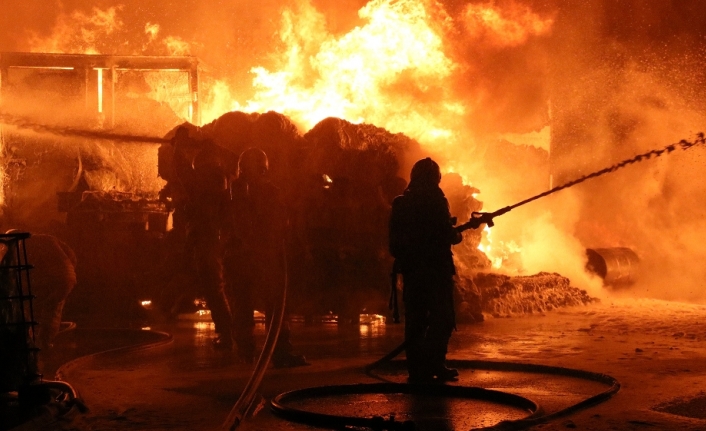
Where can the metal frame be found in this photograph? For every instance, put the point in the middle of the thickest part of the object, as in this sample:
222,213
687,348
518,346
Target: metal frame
100,63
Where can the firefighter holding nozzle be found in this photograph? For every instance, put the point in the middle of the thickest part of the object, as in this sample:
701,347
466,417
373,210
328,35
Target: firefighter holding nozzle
422,232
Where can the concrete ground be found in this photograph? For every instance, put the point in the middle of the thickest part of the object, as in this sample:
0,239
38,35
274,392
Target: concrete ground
655,349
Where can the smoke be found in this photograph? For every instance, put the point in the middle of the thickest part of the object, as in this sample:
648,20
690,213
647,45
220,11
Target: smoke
546,246
625,81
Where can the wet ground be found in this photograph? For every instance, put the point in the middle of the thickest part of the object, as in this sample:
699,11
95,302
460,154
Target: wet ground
655,349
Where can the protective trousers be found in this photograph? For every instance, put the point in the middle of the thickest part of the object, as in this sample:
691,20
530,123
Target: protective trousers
429,320
209,269
251,286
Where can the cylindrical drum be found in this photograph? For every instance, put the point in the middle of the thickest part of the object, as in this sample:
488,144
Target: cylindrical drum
617,266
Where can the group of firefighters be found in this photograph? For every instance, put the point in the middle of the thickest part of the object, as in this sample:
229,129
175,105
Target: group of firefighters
236,224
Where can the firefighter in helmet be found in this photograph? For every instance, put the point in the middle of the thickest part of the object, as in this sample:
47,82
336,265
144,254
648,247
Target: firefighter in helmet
255,255
203,180
421,235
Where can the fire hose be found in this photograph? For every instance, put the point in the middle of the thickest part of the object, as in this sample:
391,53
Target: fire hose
245,402
478,218
20,123
534,417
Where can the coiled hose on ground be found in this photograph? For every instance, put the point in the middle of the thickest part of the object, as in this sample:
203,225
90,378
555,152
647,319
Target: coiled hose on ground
279,405
535,415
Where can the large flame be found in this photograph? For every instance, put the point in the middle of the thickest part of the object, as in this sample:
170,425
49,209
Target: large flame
390,72
397,69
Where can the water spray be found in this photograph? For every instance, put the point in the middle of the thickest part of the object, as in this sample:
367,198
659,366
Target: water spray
478,218
20,123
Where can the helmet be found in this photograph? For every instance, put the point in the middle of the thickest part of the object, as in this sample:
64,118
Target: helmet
425,172
181,133
252,164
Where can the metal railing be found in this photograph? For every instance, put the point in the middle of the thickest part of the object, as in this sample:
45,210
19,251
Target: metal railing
18,351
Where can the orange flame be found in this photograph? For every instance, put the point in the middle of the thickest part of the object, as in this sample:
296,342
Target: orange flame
151,30
499,252
390,72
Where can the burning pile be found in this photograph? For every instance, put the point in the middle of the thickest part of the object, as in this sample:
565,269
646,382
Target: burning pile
469,82
338,180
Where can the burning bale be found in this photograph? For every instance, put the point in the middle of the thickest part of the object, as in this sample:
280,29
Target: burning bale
272,132
338,180
502,295
353,177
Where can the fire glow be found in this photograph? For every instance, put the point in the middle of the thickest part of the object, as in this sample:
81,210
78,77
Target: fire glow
454,77
351,77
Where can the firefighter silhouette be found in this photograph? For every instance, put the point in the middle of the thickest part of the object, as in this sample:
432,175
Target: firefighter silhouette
421,236
255,255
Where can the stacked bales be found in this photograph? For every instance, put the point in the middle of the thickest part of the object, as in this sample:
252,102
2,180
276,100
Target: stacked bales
338,181
271,132
353,175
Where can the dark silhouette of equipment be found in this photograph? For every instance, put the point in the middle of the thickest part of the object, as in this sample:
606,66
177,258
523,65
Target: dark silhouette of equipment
18,351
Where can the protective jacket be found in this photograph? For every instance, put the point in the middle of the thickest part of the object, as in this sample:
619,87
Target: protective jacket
421,231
